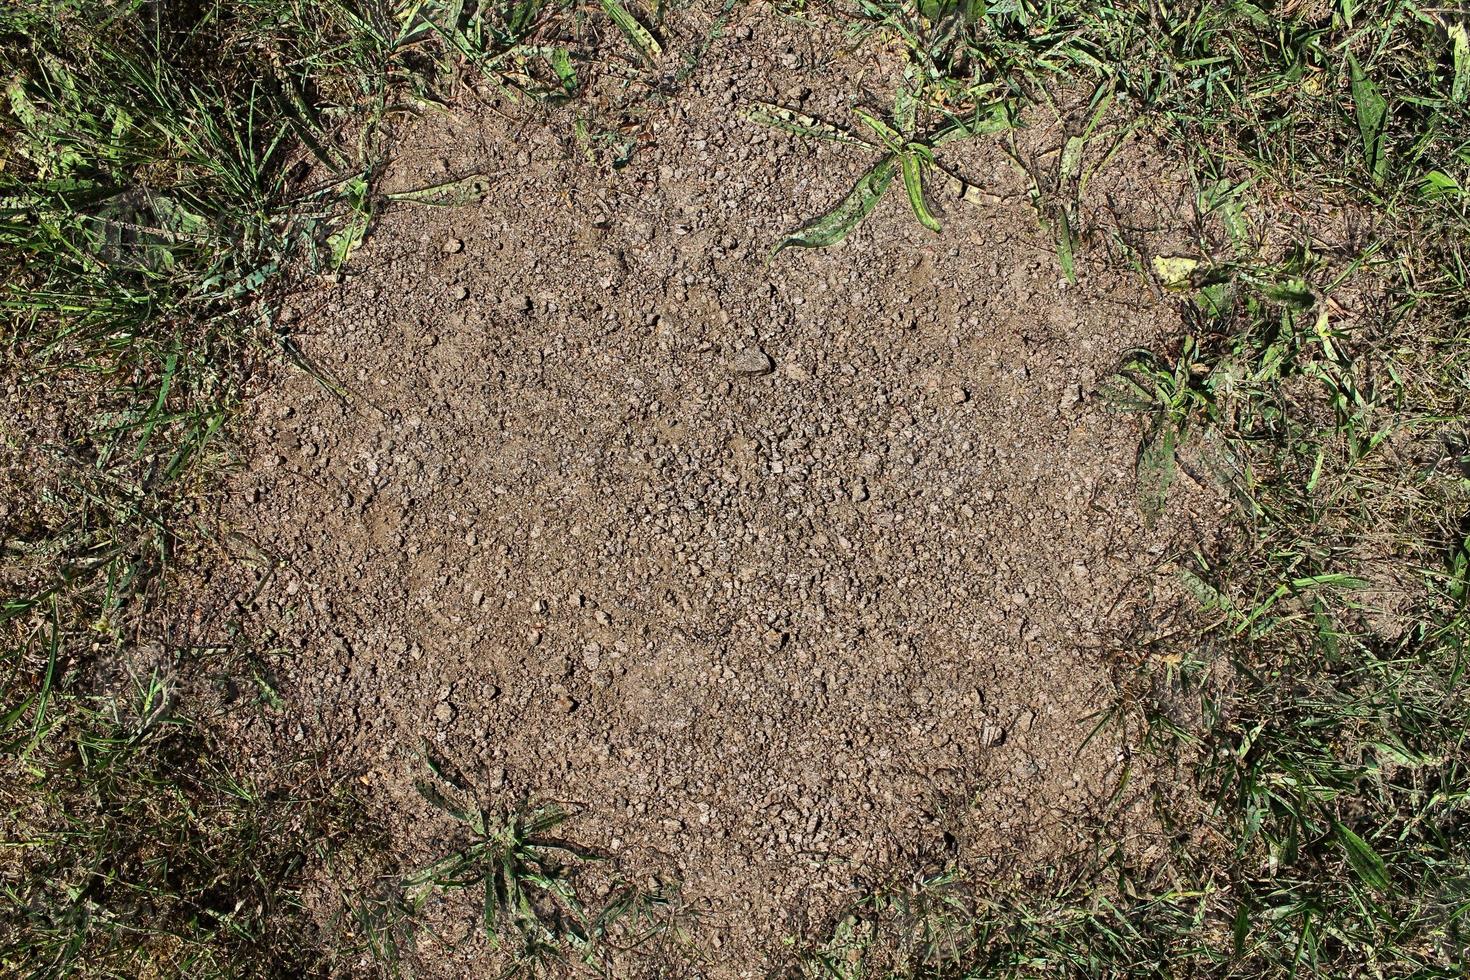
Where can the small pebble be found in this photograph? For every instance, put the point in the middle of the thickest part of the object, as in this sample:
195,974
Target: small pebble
751,362
453,245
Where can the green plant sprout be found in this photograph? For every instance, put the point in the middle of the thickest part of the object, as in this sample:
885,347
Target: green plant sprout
904,149
527,877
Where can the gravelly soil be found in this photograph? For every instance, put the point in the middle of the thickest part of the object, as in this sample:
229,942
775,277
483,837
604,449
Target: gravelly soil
788,572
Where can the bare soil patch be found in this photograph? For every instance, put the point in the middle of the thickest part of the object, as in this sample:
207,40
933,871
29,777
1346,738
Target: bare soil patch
788,573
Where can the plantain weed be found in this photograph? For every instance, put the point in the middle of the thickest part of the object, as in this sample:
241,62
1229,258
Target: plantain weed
906,149
527,878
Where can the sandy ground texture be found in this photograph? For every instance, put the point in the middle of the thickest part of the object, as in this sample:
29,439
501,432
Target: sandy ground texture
787,574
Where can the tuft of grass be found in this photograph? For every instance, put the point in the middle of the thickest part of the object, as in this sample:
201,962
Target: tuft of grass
140,853
530,886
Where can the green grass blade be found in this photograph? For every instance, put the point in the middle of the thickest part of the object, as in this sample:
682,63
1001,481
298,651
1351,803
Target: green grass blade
170,367
836,224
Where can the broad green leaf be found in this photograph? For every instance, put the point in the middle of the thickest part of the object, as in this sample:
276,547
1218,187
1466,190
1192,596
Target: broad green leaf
799,123
437,797
175,219
1366,862
1333,580
445,770
643,42
1124,389
1400,755
522,15
1460,49
1438,184
1217,298
913,182
561,63
936,10
1069,168
834,226
1240,930
1372,113
1155,468
1203,592
1123,393
1294,295
1223,198
345,240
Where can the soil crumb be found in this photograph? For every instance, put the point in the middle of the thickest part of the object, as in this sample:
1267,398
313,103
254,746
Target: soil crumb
785,572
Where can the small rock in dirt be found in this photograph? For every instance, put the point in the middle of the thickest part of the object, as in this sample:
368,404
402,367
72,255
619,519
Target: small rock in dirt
444,712
453,245
461,293
751,363
959,396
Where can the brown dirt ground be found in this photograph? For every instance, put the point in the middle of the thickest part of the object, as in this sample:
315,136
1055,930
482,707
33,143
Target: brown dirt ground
776,634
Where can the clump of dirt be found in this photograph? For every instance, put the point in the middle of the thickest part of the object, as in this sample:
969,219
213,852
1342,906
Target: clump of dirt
786,571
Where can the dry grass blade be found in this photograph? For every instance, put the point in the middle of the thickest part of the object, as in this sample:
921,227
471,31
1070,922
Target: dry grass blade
800,124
